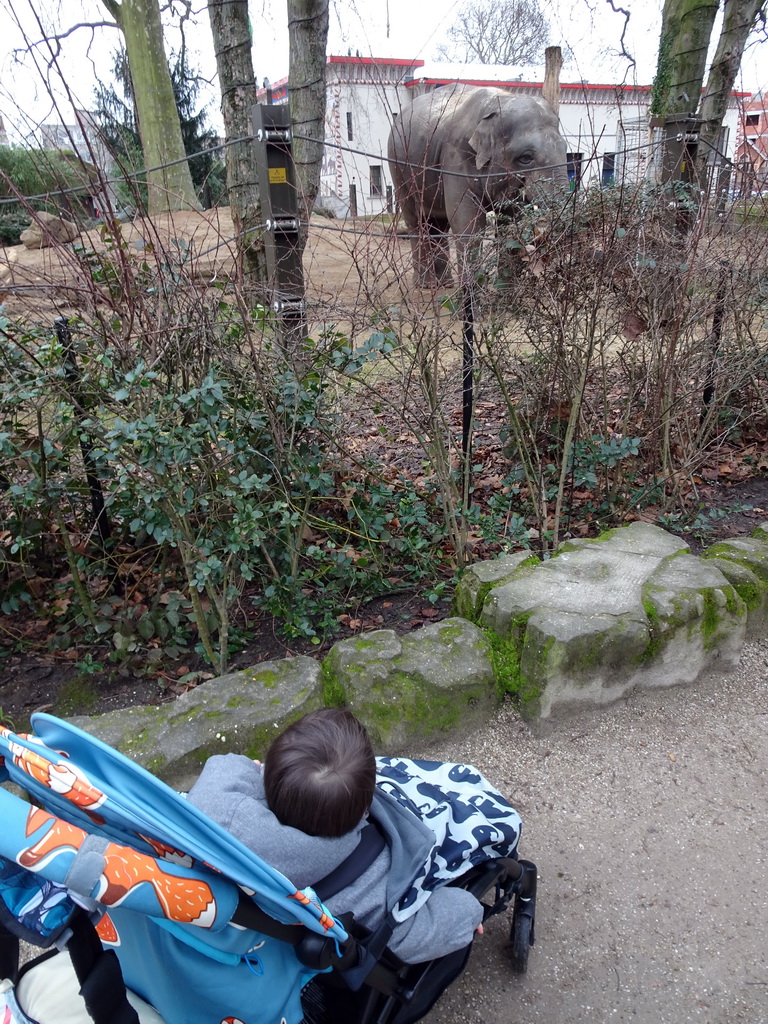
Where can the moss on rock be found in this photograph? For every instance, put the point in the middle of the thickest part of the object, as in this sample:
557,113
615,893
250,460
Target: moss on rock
421,685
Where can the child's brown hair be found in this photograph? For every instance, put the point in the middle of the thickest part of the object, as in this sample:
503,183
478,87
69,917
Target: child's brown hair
320,774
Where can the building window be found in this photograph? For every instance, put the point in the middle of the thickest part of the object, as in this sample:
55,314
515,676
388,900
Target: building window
349,127
574,169
376,185
608,176
752,120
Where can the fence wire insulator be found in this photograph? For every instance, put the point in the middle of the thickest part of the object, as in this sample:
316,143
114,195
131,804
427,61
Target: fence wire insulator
289,306
281,136
283,225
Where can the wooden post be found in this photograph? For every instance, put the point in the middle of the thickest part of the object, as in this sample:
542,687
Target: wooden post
553,62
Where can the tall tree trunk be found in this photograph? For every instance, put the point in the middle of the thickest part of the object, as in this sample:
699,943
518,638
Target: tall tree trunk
232,44
739,20
169,188
308,38
686,29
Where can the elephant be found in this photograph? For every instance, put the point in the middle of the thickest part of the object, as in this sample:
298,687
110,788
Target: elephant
458,152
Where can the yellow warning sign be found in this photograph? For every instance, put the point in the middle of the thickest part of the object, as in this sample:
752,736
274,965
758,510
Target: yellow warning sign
277,176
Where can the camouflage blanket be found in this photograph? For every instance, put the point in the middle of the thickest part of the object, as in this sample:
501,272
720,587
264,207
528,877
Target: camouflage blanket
471,820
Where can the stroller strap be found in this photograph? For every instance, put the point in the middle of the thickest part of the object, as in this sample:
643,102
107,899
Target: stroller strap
372,843
98,971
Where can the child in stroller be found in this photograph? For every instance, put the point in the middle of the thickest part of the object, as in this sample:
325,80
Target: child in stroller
315,807
118,839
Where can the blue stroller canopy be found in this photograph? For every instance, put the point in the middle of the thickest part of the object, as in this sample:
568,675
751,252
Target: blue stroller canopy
102,830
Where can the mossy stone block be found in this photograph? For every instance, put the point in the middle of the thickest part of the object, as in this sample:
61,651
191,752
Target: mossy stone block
697,621
751,589
603,616
634,538
751,552
239,712
482,577
572,659
419,686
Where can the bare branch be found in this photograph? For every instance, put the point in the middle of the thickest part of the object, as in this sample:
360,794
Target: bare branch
623,51
58,36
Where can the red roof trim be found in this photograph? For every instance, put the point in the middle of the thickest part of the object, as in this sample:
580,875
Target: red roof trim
376,60
527,85
537,85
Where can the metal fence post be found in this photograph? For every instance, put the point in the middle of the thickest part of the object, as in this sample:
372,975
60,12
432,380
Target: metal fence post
79,404
280,207
681,143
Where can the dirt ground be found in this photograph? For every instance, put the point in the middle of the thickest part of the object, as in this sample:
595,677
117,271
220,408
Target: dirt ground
341,256
647,822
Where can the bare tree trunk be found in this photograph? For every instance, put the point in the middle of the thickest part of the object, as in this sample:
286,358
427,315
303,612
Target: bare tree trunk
686,29
308,37
232,44
739,20
170,188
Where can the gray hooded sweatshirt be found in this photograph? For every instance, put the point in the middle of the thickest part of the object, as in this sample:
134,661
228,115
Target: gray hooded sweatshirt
230,790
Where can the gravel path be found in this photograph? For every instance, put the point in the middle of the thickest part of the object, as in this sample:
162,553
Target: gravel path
648,821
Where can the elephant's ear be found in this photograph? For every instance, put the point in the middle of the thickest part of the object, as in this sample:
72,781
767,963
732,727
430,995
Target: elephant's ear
481,140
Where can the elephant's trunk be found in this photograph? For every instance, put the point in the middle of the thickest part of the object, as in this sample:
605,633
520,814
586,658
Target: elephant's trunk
552,181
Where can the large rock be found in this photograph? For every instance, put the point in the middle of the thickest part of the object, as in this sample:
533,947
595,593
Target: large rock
606,615
744,563
418,686
482,577
239,712
47,229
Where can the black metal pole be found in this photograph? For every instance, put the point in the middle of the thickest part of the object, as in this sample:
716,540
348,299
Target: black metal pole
467,382
714,339
72,374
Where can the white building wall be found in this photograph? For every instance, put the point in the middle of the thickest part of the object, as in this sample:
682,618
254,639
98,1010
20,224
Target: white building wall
367,110
596,122
592,127
371,94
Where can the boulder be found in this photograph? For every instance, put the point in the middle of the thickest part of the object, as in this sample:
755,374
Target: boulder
606,615
239,712
47,229
630,608
419,686
744,563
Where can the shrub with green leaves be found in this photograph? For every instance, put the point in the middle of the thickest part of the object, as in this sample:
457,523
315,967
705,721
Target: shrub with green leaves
43,173
221,480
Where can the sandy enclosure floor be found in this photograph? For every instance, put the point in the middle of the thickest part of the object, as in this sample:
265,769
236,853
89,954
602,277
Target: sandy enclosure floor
348,264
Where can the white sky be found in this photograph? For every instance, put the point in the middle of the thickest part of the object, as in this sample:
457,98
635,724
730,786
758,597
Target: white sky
380,28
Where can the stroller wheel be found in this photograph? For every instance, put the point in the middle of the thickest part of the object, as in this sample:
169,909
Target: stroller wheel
521,938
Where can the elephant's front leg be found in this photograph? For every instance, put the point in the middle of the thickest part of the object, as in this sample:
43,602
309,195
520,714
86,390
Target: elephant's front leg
468,224
432,254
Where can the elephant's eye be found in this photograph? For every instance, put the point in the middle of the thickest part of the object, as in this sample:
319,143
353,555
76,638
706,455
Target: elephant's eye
525,159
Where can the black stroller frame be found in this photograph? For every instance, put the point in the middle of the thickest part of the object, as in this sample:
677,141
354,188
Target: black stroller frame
393,992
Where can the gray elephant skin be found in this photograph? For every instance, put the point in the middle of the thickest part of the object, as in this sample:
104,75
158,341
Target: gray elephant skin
459,151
